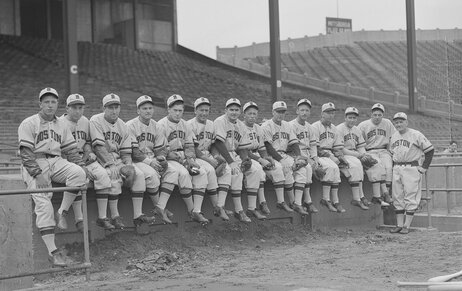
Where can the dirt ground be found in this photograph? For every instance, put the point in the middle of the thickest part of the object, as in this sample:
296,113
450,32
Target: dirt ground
263,256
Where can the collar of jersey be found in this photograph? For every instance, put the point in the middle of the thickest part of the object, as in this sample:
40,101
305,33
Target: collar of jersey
44,120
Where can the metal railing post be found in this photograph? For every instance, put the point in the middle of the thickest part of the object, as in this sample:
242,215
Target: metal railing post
448,192
86,244
428,199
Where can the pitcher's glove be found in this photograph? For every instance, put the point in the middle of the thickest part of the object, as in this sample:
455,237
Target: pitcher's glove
323,153
246,164
368,161
128,174
299,162
318,171
221,168
192,167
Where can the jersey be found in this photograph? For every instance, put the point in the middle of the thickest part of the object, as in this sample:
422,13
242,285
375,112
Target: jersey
204,133
256,138
115,137
47,137
148,138
377,136
233,135
328,136
280,136
409,146
80,130
178,134
352,137
306,136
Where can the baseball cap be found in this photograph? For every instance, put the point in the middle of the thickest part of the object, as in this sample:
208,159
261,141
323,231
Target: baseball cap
174,98
279,105
328,107
378,106
48,90
304,101
200,101
75,99
233,101
111,98
400,115
143,99
351,110
250,104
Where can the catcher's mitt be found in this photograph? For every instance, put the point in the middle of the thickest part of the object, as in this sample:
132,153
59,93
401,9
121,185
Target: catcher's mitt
221,168
163,163
318,171
299,162
128,174
367,161
246,164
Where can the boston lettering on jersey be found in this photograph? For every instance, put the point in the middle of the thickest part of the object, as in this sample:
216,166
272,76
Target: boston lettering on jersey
146,136
206,134
43,135
237,135
176,134
284,135
326,134
375,132
253,135
303,135
401,142
79,135
350,136
114,136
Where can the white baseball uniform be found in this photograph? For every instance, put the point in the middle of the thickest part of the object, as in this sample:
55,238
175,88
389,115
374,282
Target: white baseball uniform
352,140
308,143
328,139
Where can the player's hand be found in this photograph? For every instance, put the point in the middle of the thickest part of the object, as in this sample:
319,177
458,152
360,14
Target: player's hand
114,172
41,182
421,170
155,164
265,163
235,168
89,174
91,158
174,156
212,161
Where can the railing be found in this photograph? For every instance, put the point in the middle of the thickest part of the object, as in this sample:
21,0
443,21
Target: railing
86,265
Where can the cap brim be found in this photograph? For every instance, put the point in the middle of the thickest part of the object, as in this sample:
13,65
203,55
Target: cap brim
301,103
402,118
75,103
202,103
145,101
280,108
48,94
234,103
329,109
111,102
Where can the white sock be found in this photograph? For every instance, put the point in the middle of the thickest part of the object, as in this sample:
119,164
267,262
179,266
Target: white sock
102,207
198,198
49,240
113,207
68,199
137,206
163,199
334,194
251,201
307,195
77,207
189,202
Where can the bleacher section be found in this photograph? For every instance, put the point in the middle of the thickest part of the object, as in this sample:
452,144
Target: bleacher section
27,65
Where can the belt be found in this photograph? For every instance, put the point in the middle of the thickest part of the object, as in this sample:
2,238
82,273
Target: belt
44,156
379,148
412,164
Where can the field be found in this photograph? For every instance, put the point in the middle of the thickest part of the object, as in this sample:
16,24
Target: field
263,256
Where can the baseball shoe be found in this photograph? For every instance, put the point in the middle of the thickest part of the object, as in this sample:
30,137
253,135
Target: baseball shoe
365,201
242,216
143,218
61,220
198,217
117,222
396,229
221,212
255,213
387,198
169,213
328,205
162,214
264,208
105,223
310,207
59,259
79,226
405,230
378,200
359,204
299,209
284,206
339,207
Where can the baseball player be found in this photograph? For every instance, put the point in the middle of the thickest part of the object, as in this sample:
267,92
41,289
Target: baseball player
308,147
150,147
353,149
377,132
42,140
264,163
112,144
232,143
330,155
79,126
407,146
280,138
183,169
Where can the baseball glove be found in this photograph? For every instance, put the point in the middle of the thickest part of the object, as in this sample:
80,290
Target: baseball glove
221,168
318,171
299,162
367,161
192,167
163,163
128,174
246,164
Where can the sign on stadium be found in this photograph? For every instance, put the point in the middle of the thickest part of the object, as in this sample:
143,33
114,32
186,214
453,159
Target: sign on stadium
336,25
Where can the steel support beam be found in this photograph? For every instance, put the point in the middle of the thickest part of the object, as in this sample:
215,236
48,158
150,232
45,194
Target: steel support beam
275,51
411,54
70,46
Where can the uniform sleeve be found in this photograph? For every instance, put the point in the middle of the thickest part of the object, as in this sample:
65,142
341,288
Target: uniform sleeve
68,143
127,143
338,140
293,139
315,134
97,134
260,137
245,140
423,143
220,130
26,136
267,134
190,138
160,139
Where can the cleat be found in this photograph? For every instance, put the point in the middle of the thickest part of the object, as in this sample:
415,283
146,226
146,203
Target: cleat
339,207
359,204
79,226
264,208
365,201
117,222
199,217
221,212
143,218
396,229
405,230
283,206
378,200
387,198
169,213
255,213
242,216
328,205
299,209
105,223
61,220
309,207
229,212
162,214
59,259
